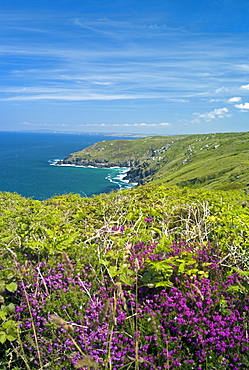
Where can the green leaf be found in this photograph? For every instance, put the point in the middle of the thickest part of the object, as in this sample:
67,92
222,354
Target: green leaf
242,273
182,267
3,315
234,288
113,271
8,324
11,337
180,260
3,337
11,308
130,216
2,285
192,271
203,273
223,302
163,284
190,262
165,242
156,230
127,280
110,253
104,262
12,287
4,309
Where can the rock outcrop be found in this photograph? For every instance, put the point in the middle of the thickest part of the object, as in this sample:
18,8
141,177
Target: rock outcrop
140,174
139,171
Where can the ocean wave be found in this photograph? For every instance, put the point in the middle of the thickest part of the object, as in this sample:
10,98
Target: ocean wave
117,176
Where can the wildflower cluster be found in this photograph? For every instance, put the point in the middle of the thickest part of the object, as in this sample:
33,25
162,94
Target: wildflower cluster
197,322
152,278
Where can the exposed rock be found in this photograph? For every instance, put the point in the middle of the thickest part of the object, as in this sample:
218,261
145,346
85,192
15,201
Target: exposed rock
78,161
139,170
139,175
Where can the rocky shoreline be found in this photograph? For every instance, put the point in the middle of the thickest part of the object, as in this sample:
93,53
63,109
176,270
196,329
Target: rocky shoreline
139,172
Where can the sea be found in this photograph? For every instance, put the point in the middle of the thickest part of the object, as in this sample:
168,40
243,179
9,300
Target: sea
27,165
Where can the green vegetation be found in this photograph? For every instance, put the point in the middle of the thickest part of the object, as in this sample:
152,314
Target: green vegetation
152,277
156,276
214,161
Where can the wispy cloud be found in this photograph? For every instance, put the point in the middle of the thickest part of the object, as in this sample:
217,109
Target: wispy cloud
80,97
176,73
243,67
122,63
104,26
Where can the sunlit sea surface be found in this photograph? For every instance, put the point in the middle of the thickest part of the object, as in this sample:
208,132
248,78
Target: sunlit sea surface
26,165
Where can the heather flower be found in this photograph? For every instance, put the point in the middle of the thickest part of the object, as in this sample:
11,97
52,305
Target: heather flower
148,220
195,321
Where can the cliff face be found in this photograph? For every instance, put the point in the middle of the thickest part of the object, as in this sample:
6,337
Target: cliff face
218,161
98,162
139,172
133,154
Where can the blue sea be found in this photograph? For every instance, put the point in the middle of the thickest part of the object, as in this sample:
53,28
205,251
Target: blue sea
26,165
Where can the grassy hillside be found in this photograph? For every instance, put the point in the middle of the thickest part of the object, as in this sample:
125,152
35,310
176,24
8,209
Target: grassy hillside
152,277
215,161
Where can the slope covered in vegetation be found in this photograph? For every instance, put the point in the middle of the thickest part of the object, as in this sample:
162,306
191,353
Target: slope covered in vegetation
153,277
215,161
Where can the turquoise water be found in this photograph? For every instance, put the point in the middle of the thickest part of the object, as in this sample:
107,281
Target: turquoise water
25,166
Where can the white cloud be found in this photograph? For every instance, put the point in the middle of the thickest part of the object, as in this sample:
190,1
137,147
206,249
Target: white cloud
164,124
242,106
179,100
44,124
142,124
215,100
235,99
103,83
221,89
244,87
121,58
205,74
209,116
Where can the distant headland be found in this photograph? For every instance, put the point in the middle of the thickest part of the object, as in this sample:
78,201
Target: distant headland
217,161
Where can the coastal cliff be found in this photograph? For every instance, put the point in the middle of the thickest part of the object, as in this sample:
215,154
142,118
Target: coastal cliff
218,161
118,153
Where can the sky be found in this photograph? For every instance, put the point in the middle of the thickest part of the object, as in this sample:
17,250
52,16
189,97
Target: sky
126,66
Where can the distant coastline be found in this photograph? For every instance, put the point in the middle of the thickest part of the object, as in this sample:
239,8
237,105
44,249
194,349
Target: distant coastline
129,135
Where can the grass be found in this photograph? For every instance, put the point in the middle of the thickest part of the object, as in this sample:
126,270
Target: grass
212,161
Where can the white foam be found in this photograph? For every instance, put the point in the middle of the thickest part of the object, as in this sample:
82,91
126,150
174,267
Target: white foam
120,178
114,178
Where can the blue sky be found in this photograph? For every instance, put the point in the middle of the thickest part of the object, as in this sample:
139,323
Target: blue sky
153,67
